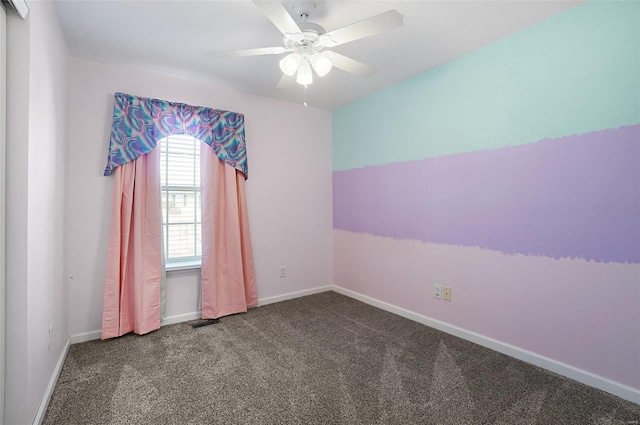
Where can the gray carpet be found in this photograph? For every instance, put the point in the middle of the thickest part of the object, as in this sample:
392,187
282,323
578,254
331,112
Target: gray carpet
321,359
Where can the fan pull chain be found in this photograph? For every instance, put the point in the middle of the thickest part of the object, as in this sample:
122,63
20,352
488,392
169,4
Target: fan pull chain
305,96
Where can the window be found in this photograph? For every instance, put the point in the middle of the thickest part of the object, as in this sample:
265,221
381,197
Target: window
180,185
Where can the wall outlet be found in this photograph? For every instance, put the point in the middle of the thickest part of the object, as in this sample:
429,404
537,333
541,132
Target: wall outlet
50,336
437,291
283,271
446,293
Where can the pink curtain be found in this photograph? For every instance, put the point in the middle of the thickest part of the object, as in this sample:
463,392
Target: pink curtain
134,259
228,273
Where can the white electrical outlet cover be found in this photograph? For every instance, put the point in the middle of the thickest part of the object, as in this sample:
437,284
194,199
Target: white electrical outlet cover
437,291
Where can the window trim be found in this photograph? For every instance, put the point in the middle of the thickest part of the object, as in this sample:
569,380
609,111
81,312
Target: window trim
176,266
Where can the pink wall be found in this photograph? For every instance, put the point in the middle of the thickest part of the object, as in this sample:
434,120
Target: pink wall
288,191
550,302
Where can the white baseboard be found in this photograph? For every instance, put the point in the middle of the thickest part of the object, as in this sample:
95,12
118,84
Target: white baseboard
93,335
84,337
292,295
90,336
52,384
172,320
583,376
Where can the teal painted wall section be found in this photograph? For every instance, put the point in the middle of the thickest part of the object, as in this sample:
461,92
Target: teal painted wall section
575,73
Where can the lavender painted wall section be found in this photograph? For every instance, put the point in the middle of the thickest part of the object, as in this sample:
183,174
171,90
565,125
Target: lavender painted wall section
578,196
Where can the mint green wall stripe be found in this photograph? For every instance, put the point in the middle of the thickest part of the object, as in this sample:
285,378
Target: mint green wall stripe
574,73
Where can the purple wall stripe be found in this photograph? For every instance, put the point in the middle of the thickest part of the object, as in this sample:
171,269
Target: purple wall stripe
576,196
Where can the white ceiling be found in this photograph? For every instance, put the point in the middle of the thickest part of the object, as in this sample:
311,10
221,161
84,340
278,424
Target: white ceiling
172,37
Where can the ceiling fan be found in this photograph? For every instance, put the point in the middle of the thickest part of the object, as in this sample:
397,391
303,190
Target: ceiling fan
306,42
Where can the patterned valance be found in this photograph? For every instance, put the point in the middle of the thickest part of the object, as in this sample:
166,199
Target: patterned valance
139,122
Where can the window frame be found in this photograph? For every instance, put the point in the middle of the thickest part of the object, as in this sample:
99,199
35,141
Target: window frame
168,192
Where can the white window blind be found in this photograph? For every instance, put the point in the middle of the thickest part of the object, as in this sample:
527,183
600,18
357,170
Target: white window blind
180,185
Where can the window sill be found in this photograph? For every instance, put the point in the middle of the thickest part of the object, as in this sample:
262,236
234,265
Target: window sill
181,266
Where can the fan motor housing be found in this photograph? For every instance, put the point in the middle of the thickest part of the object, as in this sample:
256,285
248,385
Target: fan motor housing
307,40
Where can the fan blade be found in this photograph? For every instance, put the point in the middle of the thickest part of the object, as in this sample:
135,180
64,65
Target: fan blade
367,27
350,65
247,52
286,81
275,11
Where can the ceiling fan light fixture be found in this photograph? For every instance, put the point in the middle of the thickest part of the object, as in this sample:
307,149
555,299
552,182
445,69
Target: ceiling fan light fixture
321,64
290,64
305,76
